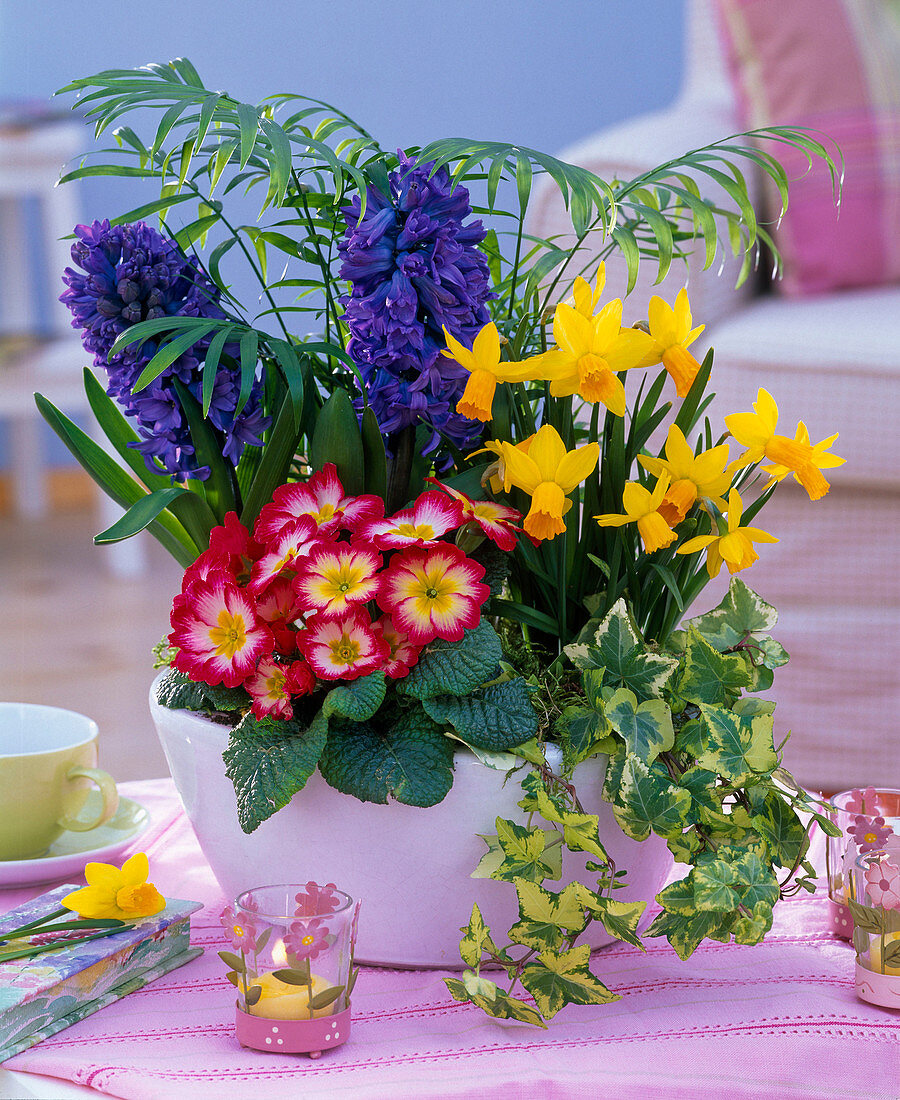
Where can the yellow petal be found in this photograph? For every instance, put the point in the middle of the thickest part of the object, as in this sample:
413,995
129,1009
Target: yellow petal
457,351
612,519
631,348
636,500
661,318
103,875
601,385
584,298
135,870
486,347
572,331
758,535
750,431
91,902
766,409
519,469
575,466
682,315
655,532
695,544
547,451
735,510
606,326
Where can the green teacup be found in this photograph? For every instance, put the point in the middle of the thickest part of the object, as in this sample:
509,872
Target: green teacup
48,760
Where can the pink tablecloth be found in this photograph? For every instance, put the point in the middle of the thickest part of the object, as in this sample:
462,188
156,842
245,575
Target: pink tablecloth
776,1021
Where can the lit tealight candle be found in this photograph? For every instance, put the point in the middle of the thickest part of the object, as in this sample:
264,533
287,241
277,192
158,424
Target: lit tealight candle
281,1001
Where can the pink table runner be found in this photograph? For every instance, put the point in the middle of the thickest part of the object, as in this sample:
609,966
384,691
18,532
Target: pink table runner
779,1020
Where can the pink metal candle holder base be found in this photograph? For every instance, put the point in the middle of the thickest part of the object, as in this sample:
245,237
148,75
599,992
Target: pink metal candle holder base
841,920
878,989
310,1037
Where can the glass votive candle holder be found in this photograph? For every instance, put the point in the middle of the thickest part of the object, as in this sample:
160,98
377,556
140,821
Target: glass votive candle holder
291,961
876,933
867,818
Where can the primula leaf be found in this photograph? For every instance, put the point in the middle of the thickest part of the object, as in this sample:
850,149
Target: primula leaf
561,979
740,747
496,718
178,692
268,760
411,760
455,668
357,700
476,939
646,727
708,676
649,800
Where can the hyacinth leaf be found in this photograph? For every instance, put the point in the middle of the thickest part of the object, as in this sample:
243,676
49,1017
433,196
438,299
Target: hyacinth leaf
268,760
140,515
561,979
645,727
739,747
374,455
455,667
281,446
336,439
708,676
476,939
649,800
219,487
410,761
115,482
172,350
357,700
495,718
523,851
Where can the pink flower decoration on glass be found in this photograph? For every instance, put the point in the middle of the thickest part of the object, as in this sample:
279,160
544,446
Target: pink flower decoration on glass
861,802
307,938
869,832
240,930
315,900
883,884
354,928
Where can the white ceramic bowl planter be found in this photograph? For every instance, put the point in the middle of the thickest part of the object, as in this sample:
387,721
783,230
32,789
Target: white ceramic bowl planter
409,866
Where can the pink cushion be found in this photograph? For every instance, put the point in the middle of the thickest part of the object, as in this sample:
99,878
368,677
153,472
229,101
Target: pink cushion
833,66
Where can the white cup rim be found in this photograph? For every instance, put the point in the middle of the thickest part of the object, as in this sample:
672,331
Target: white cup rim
86,736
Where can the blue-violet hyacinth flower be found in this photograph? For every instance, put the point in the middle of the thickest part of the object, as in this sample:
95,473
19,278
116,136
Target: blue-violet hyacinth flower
414,266
131,273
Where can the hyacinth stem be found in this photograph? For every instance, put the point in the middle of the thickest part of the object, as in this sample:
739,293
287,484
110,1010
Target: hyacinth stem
403,444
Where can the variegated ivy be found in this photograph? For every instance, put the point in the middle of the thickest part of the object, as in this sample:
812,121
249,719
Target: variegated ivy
690,758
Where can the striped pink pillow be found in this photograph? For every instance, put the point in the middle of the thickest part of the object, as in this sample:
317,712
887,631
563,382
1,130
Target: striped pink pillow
834,66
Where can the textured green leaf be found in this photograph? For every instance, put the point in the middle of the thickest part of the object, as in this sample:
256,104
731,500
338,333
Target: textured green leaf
646,727
358,699
496,718
561,979
740,747
708,676
649,800
476,939
455,668
410,761
268,760
178,692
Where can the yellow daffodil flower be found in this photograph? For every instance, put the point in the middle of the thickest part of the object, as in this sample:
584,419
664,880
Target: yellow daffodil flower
584,300
590,351
671,333
495,474
734,548
756,431
485,371
643,508
122,894
548,473
691,476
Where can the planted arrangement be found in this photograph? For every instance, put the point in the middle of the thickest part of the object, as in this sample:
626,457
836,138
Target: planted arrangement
448,519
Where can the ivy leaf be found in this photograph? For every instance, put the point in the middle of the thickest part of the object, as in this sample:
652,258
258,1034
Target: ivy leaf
714,886
490,862
617,649
740,747
544,915
584,732
612,781
619,918
523,851
741,615
455,668
752,929
501,1006
557,980
411,760
709,676
357,700
649,800
580,831
496,718
476,939
646,727
268,760
781,829
686,932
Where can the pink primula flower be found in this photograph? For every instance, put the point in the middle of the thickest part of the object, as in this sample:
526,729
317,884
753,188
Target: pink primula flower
278,607
315,900
433,593
233,542
285,551
883,884
217,633
403,654
869,832
497,521
307,938
240,930
323,499
432,515
336,575
272,686
344,647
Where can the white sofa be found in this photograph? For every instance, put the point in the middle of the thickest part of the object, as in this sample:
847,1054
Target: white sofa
833,361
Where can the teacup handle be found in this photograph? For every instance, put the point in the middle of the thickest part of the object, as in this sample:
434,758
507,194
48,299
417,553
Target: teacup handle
108,793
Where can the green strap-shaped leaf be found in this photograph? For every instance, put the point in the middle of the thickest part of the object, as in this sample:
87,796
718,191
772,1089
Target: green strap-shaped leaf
374,456
273,470
219,487
336,439
140,515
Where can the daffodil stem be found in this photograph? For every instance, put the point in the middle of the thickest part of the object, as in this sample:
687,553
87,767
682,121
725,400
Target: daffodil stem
13,933
561,580
40,949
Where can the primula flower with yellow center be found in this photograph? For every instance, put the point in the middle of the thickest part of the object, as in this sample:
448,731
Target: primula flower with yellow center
690,476
485,371
432,515
284,552
734,548
643,508
343,648
590,351
756,431
117,894
433,593
672,335
496,521
548,473
337,575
